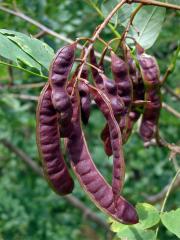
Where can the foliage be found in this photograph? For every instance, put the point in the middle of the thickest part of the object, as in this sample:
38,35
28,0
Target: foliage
28,208
149,217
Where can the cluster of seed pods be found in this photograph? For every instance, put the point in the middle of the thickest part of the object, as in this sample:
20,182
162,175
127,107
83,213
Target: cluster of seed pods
65,103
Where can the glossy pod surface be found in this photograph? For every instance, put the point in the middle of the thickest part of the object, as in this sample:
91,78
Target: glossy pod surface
150,73
58,76
48,137
85,98
89,177
124,86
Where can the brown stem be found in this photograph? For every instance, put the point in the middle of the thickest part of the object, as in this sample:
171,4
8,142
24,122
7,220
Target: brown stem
156,3
11,75
25,97
37,169
40,34
171,110
160,196
170,91
28,85
95,36
44,28
131,21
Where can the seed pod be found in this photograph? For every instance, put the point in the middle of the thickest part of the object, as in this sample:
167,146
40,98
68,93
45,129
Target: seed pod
89,177
150,73
85,98
58,76
109,87
148,127
124,86
117,107
47,132
96,76
135,112
149,68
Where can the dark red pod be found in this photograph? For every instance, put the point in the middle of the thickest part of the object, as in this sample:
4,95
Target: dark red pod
117,105
148,127
135,112
149,68
47,132
85,97
96,76
151,74
124,86
58,76
89,177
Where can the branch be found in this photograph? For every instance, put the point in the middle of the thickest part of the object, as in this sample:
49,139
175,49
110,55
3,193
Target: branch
27,86
71,199
170,91
25,97
155,3
166,196
44,28
171,110
160,196
124,35
96,35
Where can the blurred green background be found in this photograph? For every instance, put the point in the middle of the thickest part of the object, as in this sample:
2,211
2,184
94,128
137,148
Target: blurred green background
29,209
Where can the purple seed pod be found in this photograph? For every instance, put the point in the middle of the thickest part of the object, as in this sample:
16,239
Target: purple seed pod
85,97
47,133
150,74
96,76
149,68
58,76
151,114
135,112
89,177
124,86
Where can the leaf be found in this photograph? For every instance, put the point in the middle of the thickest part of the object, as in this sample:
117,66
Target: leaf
148,215
106,9
117,227
37,49
11,51
136,233
123,14
171,221
147,25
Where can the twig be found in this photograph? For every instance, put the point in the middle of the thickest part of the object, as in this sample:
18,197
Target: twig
28,85
96,35
23,69
170,91
25,97
11,75
71,199
166,196
44,28
171,110
156,3
92,4
167,73
131,21
159,196
40,34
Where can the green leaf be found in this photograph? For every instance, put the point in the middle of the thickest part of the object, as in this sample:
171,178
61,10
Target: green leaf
117,227
171,221
11,51
136,233
148,215
37,49
147,25
123,14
